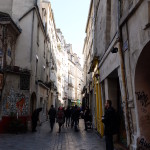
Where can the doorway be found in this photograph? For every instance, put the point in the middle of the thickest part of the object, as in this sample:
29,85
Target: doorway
142,91
33,102
114,94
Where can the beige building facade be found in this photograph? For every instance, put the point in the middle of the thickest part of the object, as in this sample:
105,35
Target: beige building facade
74,77
27,86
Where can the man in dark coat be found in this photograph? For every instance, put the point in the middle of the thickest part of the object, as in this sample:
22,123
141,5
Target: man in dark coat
35,118
108,122
52,116
75,116
67,116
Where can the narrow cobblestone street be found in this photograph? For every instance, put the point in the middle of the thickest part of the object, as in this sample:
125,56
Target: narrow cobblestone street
43,139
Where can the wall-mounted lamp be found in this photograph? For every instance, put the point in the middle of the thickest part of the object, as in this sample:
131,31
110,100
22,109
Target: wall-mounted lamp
114,50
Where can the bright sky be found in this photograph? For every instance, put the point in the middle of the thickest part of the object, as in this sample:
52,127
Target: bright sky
71,17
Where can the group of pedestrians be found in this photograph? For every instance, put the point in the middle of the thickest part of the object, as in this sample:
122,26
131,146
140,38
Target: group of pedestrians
69,117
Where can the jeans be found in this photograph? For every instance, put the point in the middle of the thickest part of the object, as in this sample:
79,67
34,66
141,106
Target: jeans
52,121
67,121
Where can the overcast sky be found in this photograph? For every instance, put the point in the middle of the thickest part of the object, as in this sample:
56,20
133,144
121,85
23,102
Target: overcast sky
71,17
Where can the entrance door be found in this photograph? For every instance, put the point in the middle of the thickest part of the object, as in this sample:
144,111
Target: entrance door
32,103
114,94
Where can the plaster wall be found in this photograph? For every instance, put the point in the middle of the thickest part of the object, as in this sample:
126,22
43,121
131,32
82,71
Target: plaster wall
19,8
23,44
137,36
6,6
110,64
100,28
105,26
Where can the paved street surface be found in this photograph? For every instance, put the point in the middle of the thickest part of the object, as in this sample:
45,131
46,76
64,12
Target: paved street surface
43,139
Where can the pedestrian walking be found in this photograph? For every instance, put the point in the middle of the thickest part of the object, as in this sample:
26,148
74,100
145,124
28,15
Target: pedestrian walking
52,116
72,119
35,118
60,117
75,117
109,123
67,116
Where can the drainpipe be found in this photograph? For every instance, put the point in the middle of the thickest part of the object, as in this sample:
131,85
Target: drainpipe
31,48
125,101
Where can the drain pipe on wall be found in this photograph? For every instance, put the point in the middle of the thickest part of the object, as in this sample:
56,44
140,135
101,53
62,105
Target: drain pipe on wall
125,101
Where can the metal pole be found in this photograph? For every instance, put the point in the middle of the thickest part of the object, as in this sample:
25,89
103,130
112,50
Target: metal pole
125,101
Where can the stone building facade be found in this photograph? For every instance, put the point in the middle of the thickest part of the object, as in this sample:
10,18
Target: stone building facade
74,77
119,67
33,60
25,72
134,27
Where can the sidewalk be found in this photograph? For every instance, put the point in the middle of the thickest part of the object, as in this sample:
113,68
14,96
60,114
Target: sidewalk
43,139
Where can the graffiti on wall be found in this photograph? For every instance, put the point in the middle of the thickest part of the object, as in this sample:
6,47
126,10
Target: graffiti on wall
143,98
143,144
15,102
144,118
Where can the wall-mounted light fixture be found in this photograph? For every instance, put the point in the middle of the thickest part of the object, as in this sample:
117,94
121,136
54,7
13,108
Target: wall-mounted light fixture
114,50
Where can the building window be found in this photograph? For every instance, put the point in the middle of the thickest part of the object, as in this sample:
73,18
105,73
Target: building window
24,82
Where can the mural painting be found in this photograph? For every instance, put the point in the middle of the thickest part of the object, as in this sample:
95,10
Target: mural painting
15,102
